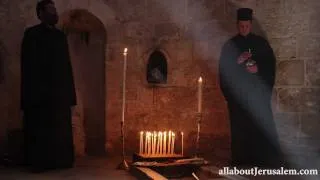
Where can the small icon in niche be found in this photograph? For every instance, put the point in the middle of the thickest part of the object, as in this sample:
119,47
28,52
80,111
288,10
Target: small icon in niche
157,68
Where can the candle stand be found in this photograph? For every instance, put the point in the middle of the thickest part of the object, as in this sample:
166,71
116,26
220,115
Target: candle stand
199,119
123,165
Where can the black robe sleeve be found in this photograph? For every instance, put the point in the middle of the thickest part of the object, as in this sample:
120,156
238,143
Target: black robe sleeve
267,64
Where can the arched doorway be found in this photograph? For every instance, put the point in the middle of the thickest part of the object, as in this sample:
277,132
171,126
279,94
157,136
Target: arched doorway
87,40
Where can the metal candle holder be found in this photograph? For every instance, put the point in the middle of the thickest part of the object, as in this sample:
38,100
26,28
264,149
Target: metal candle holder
123,165
199,118
250,62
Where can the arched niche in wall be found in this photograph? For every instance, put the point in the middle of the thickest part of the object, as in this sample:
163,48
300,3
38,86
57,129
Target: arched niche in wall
157,68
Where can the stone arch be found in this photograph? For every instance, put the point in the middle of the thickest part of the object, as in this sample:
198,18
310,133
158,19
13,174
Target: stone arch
98,8
88,21
87,42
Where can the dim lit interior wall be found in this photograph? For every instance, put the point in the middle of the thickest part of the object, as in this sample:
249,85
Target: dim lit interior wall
191,33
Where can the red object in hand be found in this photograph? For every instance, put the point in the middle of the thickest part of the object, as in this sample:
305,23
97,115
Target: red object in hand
252,69
243,57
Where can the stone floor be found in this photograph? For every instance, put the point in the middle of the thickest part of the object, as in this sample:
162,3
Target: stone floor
103,168
85,169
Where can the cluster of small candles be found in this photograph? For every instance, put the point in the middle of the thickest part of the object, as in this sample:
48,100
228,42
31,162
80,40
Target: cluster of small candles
160,143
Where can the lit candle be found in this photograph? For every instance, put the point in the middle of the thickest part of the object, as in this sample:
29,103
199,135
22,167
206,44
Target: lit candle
182,143
169,142
160,138
146,143
172,147
199,94
154,143
124,83
149,143
141,142
165,142
158,145
152,139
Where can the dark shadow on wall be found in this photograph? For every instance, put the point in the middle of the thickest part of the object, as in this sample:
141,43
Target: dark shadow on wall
257,29
2,58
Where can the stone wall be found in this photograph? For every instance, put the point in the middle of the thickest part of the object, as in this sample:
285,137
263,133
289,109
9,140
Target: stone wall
293,35
190,33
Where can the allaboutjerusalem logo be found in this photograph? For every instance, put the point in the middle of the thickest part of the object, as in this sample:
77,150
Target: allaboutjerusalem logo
255,171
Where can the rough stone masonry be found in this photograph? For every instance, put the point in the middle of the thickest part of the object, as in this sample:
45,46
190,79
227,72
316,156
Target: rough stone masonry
190,33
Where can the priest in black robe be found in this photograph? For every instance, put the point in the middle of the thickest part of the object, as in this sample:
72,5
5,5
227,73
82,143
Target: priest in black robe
247,76
47,93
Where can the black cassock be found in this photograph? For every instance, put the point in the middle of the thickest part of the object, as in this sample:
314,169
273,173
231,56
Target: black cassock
47,94
254,139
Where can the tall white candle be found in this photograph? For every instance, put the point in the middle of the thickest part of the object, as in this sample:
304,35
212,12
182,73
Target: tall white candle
172,146
141,143
182,143
165,142
124,83
123,99
169,142
199,94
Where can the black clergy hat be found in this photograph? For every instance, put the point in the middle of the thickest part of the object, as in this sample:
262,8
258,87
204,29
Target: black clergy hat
244,14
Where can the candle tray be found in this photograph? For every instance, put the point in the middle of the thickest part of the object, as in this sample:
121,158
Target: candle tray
156,158
175,166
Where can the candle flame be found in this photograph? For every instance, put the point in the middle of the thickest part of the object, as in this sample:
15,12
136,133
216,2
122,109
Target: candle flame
125,51
200,80
158,143
182,133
